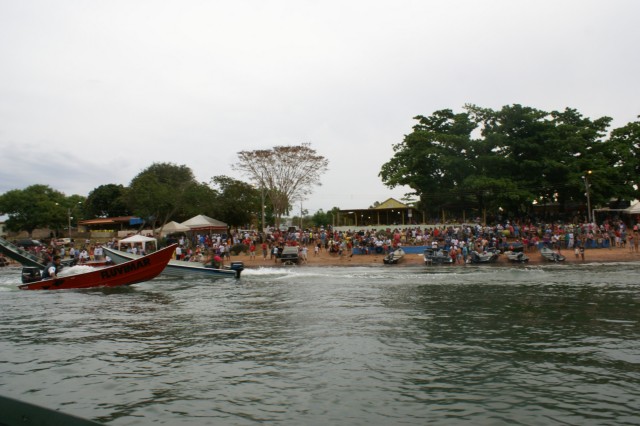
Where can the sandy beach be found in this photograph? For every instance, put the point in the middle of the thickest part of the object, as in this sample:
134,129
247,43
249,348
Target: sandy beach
605,255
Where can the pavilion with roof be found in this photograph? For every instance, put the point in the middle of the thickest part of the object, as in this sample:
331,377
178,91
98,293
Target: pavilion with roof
389,213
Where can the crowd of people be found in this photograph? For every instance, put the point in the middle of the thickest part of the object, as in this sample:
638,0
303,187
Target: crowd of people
461,238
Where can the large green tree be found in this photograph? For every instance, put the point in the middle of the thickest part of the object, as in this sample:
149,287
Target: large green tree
623,162
512,158
433,160
164,191
38,206
237,202
108,200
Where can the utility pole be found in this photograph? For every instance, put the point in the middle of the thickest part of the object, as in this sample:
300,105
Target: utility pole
262,223
69,216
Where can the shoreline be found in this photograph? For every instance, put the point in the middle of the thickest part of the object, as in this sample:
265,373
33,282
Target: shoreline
599,255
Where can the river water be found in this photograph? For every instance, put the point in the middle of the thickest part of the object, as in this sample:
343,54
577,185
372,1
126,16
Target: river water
385,345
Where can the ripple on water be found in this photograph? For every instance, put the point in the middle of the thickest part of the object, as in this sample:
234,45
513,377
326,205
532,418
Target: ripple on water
531,345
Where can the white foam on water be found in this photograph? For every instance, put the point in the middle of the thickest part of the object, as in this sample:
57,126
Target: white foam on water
75,270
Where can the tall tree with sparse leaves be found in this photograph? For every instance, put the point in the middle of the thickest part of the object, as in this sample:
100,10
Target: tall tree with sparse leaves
287,173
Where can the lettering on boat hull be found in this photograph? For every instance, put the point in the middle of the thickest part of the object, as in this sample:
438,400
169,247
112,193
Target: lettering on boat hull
114,272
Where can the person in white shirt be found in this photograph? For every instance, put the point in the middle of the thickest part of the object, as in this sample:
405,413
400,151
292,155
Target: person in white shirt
98,252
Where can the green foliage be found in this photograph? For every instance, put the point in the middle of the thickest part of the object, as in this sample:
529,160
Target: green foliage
322,218
164,190
37,206
107,201
519,155
623,164
237,202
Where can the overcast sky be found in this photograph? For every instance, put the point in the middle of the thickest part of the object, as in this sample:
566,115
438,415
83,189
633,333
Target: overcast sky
93,92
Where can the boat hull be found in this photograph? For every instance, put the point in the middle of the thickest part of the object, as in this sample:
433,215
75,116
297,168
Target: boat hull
484,257
551,255
179,268
127,273
437,257
516,257
394,257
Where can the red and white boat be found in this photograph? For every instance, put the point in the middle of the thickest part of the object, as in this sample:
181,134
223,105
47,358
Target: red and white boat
127,273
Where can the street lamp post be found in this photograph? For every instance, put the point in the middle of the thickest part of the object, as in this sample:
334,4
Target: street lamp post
586,184
69,216
69,209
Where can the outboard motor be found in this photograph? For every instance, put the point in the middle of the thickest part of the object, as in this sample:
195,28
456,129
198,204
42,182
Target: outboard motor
238,267
31,274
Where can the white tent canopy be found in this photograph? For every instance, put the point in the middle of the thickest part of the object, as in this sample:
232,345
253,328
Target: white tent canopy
172,227
205,222
138,239
634,209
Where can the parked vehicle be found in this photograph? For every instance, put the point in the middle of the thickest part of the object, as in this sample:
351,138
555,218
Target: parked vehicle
289,255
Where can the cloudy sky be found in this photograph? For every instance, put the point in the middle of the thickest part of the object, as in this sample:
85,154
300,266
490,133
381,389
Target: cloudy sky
93,92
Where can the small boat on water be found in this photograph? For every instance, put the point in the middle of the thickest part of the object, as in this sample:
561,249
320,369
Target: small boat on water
394,257
181,268
487,256
436,256
516,256
514,252
551,255
132,272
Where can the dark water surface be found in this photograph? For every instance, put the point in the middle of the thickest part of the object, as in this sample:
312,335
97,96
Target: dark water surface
341,346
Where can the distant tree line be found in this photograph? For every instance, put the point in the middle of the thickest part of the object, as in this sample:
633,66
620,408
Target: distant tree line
164,192
510,160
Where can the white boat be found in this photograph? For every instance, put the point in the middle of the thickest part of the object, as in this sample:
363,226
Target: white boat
551,255
487,256
394,257
436,256
516,256
181,268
